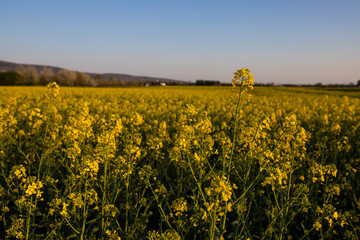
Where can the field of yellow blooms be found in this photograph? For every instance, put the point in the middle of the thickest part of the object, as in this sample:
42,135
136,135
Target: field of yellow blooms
179,163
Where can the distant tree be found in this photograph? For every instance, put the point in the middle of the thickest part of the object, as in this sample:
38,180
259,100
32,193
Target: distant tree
99,79
33,76
47,76
207,83
358,83
110,82
10,78
91,82
65,77
81,79
30,76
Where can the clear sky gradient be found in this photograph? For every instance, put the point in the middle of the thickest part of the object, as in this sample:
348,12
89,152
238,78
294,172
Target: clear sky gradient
306,41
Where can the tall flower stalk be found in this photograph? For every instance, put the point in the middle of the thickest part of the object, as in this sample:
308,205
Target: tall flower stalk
245,81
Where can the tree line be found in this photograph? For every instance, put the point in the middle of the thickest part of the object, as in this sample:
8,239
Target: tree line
30,76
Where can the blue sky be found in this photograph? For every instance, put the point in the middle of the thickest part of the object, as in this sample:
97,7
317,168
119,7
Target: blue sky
279,41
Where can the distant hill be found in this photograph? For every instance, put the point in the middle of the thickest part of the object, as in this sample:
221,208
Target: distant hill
10,66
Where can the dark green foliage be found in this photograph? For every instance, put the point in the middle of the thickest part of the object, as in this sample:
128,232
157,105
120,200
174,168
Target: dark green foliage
10,78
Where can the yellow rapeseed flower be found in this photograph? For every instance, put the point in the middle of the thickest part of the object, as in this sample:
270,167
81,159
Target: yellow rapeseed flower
179,206
317,225
243,78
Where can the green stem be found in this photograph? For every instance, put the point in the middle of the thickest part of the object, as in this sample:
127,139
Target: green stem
223,223
47,122
236,123
84,213
249,187
71,226
127,203
42,156
54,230
287,197
196,180
28,220
213,222
160,208
104,197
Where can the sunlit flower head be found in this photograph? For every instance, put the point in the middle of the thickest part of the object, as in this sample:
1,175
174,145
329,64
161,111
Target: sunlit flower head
243,78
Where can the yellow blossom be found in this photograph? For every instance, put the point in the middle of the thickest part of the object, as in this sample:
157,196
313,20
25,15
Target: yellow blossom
317,225
179,206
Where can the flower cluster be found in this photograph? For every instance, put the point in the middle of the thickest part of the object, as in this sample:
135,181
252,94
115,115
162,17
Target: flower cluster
243,78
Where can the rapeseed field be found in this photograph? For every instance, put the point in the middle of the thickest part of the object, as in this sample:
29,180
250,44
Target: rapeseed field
179,162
